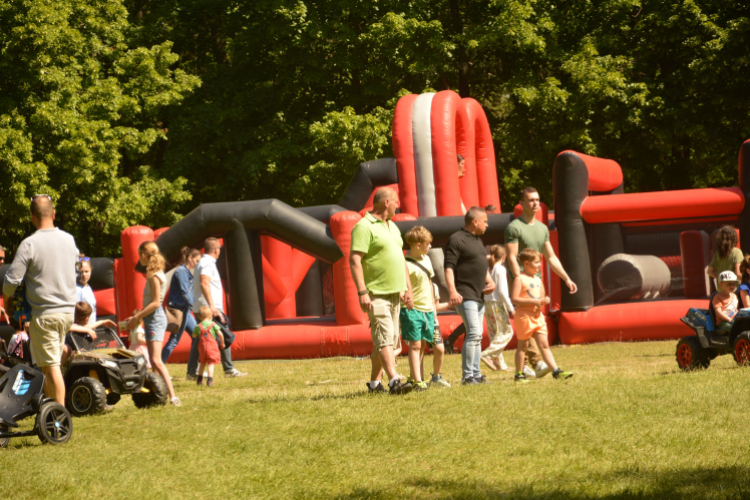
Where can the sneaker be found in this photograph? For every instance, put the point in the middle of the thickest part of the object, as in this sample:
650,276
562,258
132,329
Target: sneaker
379,389
448,346
469,381
209,383
191,377
501,364
199,380
420,386
482,380
542,369
175,401
529,372
561,375
234,373
520,377
489,362
399,388
439,381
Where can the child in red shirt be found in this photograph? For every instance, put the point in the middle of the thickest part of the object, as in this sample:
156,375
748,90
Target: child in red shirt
209,332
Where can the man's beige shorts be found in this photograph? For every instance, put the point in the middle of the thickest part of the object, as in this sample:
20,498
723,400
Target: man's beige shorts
47,335
383,314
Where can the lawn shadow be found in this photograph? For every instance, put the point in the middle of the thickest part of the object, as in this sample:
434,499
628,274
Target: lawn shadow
720,482
318,397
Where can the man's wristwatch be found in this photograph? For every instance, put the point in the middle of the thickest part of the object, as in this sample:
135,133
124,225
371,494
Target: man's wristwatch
362,292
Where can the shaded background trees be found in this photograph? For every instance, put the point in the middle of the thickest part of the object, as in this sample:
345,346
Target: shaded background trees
217,100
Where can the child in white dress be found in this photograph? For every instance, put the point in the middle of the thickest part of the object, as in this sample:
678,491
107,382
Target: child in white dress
498,311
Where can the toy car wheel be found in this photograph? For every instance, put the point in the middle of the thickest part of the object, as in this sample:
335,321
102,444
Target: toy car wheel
4,441
113,398
691,355
54,424
86,397
741,349
157,394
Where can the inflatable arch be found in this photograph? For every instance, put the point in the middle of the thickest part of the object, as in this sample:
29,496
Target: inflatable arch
429,130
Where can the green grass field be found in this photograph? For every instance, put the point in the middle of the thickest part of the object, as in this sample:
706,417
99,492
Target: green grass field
627,425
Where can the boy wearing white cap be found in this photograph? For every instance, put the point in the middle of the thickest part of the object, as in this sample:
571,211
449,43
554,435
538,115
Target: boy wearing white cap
725,302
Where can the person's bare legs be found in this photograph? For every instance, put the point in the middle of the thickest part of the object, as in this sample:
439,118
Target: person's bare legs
66,352
438,355
421,359
415,347
211,371
377,367
541,341
520,355
386,361
54,384
154,352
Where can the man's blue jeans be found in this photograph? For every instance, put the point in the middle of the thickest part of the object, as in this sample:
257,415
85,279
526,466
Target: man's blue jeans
472,314
188,325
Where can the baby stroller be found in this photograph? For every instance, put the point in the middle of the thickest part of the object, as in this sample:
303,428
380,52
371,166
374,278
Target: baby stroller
21,396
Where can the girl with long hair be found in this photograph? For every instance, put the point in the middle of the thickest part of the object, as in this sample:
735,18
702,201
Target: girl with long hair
153,316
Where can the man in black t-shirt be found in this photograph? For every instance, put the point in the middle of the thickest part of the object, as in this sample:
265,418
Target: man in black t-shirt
468,278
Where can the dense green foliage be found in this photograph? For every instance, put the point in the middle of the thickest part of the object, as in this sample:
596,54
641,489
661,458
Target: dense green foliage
295,93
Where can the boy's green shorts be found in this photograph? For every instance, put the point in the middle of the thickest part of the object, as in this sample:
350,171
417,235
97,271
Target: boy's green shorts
416,325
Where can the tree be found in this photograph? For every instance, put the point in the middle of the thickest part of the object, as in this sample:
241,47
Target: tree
82,116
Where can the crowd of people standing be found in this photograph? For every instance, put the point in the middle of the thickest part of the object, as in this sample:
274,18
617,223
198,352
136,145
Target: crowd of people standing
53,278
397,291
400,298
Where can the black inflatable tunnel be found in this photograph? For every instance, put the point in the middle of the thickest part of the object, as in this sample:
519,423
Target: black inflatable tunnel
370,175
241,224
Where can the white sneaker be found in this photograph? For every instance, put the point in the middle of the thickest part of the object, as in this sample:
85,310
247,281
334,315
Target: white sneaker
502,365
235,373
439,381
542,369
529,372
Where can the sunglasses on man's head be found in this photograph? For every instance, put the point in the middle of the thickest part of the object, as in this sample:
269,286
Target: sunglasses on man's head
41,196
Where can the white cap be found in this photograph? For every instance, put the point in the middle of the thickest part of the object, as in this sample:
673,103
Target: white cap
728,276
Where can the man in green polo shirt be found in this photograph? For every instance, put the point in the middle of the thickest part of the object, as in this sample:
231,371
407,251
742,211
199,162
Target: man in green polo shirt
379,271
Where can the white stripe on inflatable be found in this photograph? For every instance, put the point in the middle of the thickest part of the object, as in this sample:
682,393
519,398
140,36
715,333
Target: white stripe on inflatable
422,133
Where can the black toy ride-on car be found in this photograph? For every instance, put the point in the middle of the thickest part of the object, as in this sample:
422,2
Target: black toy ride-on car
100,371
21,396
697,351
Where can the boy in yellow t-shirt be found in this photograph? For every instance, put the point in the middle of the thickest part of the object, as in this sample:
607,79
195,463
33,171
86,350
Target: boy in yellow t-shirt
418,324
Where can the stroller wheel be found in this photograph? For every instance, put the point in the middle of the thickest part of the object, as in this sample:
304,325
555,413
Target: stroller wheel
4,441
54,424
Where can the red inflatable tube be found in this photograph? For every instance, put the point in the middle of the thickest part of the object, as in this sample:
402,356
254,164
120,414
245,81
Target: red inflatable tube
627,321
604,175
279,257
403,150
484,153
299,341
274,289
130,239
302,263
662,205
451,135
345,294
105,302
695,258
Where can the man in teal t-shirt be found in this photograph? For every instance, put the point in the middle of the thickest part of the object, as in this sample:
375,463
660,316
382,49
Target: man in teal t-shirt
380,275
527,232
